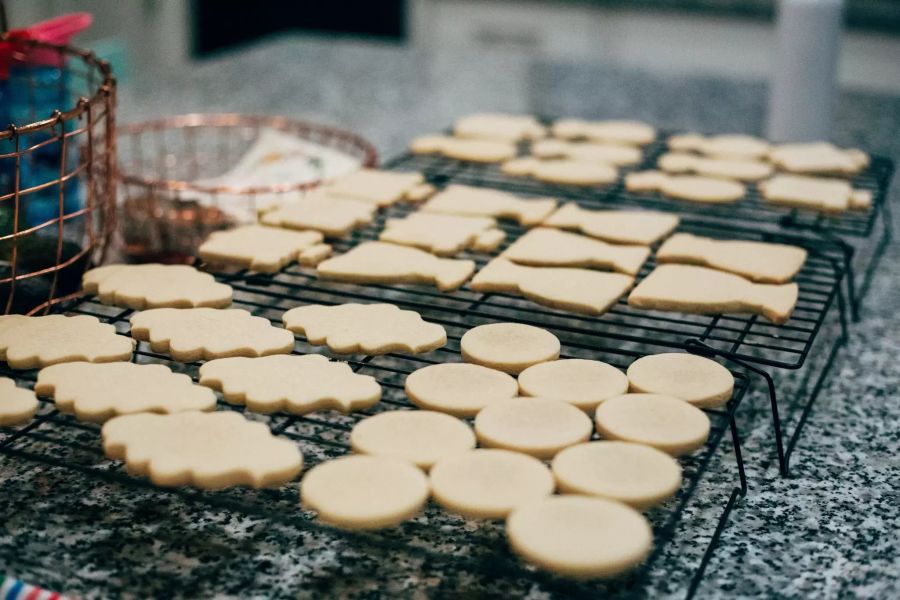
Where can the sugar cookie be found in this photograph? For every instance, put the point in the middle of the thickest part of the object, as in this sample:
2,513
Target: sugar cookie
613,154
17,405
421,192
315,254
444,235
700,381
380,262
693,188
508,347
489,483
382,188
290,383
818,158
540,427
459,389
817,193
466,200
729,168
366,328
563,171
421,437
35,342
190,334
578,290
728,145
364,492
635,474
663,422
256,247
547,247
580,536
634,133
206,450
466,149
582,383
97,392
499,126
334,216
763,262
156,286
698,290
489,240
642,227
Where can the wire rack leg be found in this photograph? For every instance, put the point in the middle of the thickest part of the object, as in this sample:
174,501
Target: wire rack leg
736,493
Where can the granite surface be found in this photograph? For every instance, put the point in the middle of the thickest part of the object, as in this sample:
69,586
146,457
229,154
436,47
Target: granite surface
828,531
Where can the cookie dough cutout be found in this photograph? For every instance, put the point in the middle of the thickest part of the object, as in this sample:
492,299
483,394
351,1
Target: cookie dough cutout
582,291
722,146
207,450
472,201
662,422
257,247
508,347
582,383
465,149
444,235
698,290
694,379
288,383
763,262
818,158
17,405
333,216
489,240
616,226
365,328
420,437
635,474
489,483
693,188
817,193
548,247
563,171
156,286
191,334
540,427
382,188
632,133
313,255
35,342
364,492
458,389
499,126
380,262
421,192
613,154
98,392
728,168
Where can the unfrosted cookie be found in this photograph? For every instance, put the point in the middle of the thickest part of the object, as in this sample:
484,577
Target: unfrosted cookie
727,145
499,126
290,383
190,334
662,422
489,483
634,133
459,389
818,158
582,383
690,289
564,171
540,427
817,193
764,262
488,240
97,392
466,149
380,262
613,154
382,188
635,474
364,492
730,168
421,192
207,450
256,247
694,188
17,405
508,347
421,437
315,254
700,381
156,286
467,200
334,216
548,247
578,290
444,235
580,536
35,342
642,227
365,328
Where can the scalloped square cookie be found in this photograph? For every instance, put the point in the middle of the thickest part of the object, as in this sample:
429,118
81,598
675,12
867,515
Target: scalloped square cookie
156,286
34,342
257,247
334,216
382,188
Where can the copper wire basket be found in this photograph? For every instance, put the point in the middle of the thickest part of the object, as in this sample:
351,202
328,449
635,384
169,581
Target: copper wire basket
57,205
165,168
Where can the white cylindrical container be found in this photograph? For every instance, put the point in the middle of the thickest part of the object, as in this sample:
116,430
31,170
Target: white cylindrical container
803,82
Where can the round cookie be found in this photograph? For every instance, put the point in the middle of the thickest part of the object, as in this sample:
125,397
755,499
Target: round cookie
635,474
364,492
489,483
663,422
508,347
540,427
695,379
582,383
580,536
421,437
459,389
574,172
697,188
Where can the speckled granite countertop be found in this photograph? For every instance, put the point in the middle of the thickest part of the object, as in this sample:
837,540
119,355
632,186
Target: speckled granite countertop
828,531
